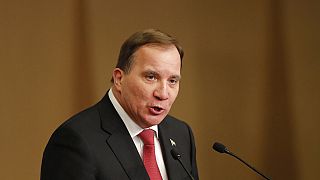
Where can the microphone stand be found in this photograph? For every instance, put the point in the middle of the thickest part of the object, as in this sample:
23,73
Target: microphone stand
177,157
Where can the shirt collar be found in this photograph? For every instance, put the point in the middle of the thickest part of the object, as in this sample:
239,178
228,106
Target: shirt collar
133,128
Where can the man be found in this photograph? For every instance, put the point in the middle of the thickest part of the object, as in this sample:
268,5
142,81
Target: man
128,134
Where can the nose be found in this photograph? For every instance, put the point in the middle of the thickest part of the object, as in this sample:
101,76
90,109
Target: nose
161,92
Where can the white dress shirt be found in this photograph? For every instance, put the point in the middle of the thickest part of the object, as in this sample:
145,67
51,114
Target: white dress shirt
134,130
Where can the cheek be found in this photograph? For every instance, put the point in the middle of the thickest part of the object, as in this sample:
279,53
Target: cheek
174,94
141,89
137,92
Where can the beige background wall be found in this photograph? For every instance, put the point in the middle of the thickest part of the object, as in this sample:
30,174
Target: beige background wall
251,77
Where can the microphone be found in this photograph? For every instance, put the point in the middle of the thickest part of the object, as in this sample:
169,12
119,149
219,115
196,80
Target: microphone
222,149
177,157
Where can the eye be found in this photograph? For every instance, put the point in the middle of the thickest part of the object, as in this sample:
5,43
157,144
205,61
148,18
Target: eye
173,81
150,77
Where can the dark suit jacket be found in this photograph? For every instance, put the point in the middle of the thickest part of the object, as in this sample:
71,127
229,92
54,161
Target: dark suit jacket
95,145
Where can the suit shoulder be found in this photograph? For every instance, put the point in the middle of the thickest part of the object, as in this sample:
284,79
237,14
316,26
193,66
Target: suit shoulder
83,118
172,119
81,123
174,122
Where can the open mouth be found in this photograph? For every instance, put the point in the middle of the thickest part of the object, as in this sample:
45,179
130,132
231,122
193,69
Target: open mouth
156,110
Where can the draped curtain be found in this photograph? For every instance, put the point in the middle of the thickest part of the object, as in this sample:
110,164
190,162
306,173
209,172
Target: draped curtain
250,77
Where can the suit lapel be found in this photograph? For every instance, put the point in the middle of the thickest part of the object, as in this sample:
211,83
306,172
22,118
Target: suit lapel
120,142
166,137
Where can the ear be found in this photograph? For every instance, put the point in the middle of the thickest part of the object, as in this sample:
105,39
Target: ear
117,78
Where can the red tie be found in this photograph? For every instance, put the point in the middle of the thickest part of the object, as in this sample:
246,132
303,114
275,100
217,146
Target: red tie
149,157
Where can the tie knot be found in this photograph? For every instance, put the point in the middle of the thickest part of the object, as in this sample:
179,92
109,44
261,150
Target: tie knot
147,136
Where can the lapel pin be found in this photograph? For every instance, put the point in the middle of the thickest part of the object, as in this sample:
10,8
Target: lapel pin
172,143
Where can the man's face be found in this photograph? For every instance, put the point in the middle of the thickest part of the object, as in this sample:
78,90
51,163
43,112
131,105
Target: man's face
148,91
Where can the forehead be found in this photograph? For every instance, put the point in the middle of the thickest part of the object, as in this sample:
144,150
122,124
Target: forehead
162,60
155,53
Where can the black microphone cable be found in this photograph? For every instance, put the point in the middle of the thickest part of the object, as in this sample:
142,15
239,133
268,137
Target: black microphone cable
177,157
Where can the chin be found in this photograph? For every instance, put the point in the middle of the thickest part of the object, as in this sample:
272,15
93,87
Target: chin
151,123
157,121
152,120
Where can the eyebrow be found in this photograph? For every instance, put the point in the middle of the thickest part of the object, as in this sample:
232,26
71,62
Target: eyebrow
176,77
151,72
148,72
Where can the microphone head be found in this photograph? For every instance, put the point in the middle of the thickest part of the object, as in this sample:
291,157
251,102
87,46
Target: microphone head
220,147
175,154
